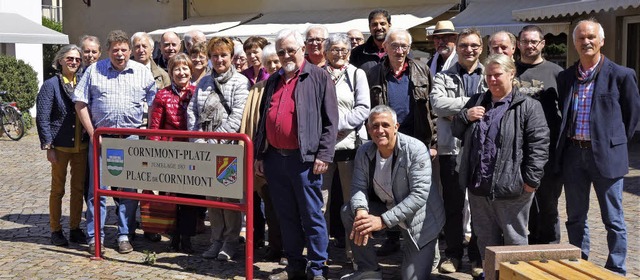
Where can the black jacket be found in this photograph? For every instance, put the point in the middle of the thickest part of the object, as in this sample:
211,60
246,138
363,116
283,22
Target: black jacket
420,84
523,145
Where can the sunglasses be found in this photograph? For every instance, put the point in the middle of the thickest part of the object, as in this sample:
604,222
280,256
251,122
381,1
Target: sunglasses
72,59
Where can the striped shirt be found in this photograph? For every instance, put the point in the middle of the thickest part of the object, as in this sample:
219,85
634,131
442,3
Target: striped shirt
115,98
583,96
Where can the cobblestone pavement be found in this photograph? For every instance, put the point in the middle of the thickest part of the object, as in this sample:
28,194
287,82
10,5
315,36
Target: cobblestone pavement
26,251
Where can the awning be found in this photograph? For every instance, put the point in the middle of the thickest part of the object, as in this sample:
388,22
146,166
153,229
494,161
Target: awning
15,28
490,16
205,24
542,11
268,24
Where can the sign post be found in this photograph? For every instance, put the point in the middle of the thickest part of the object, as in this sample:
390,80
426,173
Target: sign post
221,170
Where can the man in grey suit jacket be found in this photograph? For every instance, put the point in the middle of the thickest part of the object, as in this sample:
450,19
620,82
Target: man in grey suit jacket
392,186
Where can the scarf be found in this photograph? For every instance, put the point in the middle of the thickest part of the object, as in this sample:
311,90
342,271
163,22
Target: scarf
212,112
336,74
68,87
581,79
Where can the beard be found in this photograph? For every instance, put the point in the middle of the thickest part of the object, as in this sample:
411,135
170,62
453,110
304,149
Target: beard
380,36
289,67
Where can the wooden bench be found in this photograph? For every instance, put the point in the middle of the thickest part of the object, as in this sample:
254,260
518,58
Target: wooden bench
573,269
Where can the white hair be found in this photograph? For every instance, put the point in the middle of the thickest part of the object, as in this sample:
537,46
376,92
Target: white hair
286,33
591,20
401,31
324,29
142,35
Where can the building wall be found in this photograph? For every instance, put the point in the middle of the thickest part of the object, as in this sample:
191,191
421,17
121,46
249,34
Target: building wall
612,24
204,7
29,53
104,16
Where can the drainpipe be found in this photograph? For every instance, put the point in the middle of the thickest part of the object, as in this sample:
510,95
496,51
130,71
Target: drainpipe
185,12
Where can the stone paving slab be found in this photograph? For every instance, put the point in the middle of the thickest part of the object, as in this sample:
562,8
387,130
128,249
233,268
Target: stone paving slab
26,252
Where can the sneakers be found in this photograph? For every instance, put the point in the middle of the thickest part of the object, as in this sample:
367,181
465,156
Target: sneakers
477,270
124,247
77,236
390,246
449,265
228,251
213,250
58,239
363,275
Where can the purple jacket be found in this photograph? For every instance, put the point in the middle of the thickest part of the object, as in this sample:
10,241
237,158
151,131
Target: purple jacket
262,75
316,111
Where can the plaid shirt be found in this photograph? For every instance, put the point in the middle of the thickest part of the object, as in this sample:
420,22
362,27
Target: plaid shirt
582,97
115,98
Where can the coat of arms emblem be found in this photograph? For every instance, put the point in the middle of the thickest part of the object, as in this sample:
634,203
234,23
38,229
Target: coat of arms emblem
115,161
226,169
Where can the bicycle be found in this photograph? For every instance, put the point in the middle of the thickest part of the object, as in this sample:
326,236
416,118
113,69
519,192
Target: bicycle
11,119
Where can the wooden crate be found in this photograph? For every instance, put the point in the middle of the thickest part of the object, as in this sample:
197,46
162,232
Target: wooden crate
573,269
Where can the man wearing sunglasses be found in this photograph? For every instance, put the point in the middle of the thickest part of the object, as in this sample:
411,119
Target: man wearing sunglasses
294,144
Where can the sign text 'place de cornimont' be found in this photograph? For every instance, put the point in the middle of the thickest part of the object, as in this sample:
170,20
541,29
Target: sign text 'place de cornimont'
177,167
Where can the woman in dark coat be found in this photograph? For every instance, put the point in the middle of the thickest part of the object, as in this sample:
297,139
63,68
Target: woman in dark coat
62,137
505,147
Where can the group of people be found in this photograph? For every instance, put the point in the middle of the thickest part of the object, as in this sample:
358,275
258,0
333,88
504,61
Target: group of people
410,143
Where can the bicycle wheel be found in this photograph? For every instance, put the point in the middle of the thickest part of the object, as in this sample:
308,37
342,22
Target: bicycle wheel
12,123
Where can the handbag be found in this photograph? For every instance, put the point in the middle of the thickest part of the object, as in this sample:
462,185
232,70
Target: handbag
158,217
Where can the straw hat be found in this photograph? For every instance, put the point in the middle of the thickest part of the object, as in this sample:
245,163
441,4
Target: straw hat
444,27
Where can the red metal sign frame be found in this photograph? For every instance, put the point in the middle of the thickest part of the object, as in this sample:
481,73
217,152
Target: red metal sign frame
246,207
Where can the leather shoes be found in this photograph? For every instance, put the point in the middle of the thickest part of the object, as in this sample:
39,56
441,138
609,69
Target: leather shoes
284,275
153,237
77,236
124,247
92,249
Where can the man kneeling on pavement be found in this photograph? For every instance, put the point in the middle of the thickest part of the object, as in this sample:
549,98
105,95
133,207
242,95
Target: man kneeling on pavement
392,187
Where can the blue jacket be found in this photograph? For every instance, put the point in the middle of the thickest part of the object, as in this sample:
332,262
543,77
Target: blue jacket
417,203
615,111
316,112
56,114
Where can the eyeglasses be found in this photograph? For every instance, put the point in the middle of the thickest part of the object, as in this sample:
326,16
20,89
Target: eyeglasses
535,43
315,40
396,47
339,51
357,39
290,52
473,46
72,59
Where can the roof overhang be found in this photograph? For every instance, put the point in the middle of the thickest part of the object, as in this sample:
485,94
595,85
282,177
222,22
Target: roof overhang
571,8
336,21
15,28
490,16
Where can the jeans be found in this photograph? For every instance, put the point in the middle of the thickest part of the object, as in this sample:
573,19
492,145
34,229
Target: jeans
501,221
126,208
416,263
297,200
580,171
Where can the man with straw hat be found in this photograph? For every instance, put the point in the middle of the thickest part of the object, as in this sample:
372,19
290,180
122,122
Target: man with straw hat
444,40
